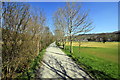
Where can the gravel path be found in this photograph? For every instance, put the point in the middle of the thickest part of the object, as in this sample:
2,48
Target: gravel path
56,64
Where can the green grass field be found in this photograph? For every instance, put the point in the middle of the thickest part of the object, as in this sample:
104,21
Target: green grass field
100,59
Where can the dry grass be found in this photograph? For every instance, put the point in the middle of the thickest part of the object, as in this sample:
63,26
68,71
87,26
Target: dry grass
1,42
96,44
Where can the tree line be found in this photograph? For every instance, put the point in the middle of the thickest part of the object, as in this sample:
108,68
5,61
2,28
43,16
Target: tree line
99,37
24,35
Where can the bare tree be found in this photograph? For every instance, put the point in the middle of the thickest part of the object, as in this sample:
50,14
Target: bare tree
76,20
60,26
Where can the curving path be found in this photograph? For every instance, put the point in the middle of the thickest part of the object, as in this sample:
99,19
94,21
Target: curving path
56,64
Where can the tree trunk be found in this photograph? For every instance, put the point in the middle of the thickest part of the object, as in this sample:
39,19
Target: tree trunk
38,47
79,46
63,43
71,49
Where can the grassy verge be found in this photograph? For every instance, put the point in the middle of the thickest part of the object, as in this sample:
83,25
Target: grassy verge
30,73
99,66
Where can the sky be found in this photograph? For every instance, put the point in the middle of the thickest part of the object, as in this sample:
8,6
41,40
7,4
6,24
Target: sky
103,14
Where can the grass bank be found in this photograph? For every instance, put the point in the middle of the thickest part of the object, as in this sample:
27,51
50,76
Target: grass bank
99,59
30,73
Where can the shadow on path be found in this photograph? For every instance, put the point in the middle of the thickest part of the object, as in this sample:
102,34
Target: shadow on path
56,64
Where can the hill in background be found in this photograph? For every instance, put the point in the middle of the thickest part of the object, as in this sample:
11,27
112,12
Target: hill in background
113,36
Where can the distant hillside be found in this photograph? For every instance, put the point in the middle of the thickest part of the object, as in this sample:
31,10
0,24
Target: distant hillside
113,36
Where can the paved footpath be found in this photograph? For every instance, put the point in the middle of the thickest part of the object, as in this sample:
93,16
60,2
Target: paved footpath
56,64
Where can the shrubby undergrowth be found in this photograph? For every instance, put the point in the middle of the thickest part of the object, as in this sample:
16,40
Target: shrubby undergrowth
24,35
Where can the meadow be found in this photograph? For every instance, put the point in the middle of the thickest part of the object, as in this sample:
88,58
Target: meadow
99,59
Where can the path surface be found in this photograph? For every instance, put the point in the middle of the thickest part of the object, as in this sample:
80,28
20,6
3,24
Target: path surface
56,64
